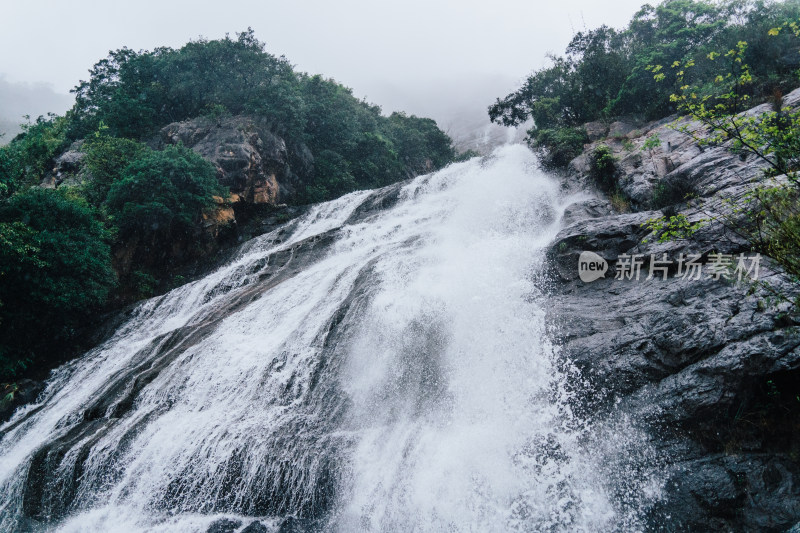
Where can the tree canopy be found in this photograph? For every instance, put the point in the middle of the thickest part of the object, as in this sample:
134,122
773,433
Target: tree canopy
55,270
607,73
148,204
133,94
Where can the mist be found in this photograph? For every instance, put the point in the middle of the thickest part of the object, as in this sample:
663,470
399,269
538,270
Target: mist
443,59
32,99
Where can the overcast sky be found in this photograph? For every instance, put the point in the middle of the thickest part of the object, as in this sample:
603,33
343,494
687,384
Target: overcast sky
434,57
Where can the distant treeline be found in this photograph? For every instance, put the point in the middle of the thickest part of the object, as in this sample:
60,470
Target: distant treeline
608,73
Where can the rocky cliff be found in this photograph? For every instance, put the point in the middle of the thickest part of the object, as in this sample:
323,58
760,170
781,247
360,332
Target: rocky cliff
254,163
261,172
710,367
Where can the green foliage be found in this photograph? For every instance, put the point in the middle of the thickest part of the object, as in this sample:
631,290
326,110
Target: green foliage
163,193
142,283
770,211
55,270
135,93
607,73
603,167
669,228
421,146
376,161
357,148
619,201
674,191
557,147
776,212
653,141
24,161
7,392
105,159
334,177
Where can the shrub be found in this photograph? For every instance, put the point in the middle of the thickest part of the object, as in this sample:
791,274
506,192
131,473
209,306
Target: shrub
603,168
163,193
105,159
653,141
557,147
332,172
55,270
675,191
672,227
778,209
25,160
620,202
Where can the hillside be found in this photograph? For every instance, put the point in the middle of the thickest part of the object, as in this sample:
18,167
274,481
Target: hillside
708,365
167,157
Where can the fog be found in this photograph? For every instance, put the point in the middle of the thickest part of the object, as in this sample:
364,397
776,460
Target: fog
440,58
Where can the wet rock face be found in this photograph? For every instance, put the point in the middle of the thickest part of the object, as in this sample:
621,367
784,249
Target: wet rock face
677,160
66,167
224,525
710,367
250,160
596,130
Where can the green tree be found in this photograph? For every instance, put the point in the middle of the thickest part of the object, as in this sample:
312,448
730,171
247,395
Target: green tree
603,168
55,271
26,159
163,194
421,145
768,216
105,160
607,73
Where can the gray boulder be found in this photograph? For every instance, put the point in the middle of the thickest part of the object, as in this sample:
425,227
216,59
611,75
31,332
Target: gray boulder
709,368
250,160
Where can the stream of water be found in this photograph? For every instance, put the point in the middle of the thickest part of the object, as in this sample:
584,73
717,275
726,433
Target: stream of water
380,364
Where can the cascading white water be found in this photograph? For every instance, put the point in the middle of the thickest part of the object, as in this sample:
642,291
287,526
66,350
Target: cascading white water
382,369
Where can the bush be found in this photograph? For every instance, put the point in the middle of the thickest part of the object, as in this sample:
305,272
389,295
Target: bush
55,271
603,168
164,193
105,159
557,147
675,191
25,160
778,209
133,94
421,146
608,73
333,177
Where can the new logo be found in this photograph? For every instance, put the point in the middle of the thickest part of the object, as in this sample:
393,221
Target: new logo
591,267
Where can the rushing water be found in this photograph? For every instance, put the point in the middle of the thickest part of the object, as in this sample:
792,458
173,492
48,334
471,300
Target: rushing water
380,364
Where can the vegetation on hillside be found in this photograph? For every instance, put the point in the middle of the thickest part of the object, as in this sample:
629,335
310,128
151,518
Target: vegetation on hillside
608,73
706,60
56,259
769,215
133,94
55,271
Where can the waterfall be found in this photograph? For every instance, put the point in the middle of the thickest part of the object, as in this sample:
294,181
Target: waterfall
380,364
